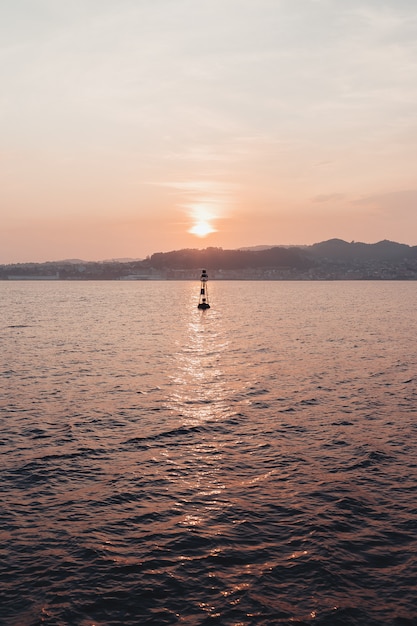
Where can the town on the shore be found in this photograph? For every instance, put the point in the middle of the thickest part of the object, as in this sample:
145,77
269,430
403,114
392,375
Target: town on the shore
334,259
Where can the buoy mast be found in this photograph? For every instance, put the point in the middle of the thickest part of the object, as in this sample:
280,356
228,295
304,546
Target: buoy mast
203,302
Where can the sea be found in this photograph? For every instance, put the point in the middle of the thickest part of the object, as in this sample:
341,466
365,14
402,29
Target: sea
251,464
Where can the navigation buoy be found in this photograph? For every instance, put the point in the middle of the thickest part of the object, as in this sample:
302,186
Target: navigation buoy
203,302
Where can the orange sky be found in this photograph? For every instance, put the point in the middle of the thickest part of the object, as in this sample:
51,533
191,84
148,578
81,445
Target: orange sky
126,124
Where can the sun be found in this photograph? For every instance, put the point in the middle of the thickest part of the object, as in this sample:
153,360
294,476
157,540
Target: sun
202,229
201,215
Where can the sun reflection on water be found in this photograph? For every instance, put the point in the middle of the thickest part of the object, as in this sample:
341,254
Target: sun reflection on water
200,393
199,399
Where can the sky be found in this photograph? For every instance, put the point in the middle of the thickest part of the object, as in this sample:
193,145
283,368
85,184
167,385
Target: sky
130,127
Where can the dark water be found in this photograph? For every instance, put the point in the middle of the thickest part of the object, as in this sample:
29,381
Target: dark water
250,464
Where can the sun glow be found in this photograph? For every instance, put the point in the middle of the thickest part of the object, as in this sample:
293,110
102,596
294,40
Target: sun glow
202,229
202,216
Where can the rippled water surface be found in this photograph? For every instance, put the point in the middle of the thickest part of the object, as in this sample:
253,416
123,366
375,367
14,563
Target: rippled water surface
252,464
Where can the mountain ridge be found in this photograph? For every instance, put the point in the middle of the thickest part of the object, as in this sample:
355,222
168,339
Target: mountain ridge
332,259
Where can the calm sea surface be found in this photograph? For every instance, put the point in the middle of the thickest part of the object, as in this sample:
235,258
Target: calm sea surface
252,464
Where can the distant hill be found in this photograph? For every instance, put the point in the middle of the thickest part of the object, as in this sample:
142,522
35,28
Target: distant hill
333,250
334,259
260,248
124,260
217,258
337,249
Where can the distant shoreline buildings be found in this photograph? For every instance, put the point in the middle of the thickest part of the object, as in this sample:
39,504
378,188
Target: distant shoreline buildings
329,260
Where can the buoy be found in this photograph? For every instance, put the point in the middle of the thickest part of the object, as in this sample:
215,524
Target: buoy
203,302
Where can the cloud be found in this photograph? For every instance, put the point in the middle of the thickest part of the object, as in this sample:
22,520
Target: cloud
395,203
330,197
215,195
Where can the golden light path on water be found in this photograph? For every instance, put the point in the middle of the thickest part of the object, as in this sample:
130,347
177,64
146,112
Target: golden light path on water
199,381
200,395
208,396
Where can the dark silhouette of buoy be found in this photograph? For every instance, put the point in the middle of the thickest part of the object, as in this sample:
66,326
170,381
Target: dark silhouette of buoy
203,302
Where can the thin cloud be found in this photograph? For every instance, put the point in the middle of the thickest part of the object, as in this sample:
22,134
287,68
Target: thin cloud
330,197
398,203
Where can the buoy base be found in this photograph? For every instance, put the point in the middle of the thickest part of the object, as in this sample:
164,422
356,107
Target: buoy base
203,305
